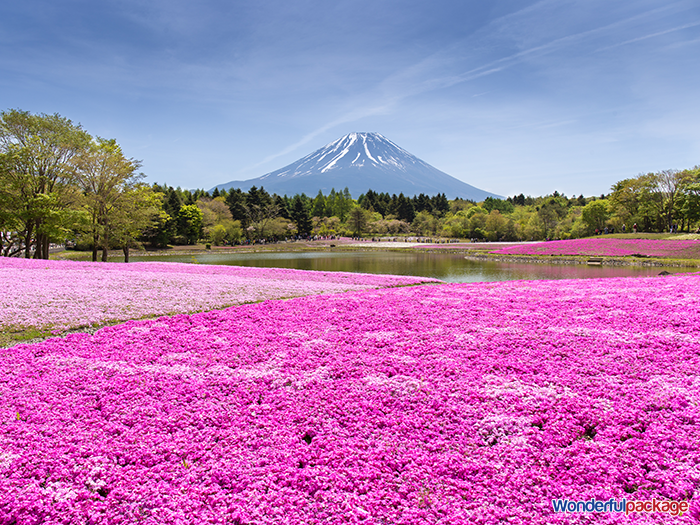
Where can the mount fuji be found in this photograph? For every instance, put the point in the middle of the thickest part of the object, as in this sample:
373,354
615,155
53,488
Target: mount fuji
360,162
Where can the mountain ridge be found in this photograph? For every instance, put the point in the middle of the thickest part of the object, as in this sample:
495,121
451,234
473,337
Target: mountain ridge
361,161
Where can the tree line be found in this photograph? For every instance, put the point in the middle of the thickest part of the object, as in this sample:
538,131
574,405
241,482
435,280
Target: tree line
59,184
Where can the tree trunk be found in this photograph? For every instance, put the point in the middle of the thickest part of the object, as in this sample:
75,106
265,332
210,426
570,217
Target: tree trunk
125,249
94,246
42,243
28,242
46,243
39,249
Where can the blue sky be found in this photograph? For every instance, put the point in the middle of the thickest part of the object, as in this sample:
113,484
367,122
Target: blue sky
509,96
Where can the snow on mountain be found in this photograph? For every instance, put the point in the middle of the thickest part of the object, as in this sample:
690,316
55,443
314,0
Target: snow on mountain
361,161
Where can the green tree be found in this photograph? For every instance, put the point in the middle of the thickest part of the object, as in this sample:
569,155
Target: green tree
38,175
301,216
595,215
282,209
138,209
404,209
688,203
671,185
358,220
503,206
440,205
261,211
459,224
551,211
319,205
108,180
496,225
236,202
424,224
190,223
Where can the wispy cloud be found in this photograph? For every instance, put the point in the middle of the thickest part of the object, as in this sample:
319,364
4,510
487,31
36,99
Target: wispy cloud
351,116
646,37
427,74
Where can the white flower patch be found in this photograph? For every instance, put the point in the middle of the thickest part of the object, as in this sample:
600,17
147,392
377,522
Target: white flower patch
398,384
6,460
501,428
380,336
60,491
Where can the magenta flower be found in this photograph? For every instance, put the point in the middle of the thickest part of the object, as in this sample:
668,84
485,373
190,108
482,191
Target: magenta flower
466,403
609,247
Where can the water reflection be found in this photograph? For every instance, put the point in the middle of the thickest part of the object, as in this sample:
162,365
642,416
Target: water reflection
447,267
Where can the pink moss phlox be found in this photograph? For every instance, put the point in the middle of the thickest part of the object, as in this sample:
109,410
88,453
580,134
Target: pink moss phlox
472,403
609,247
67,294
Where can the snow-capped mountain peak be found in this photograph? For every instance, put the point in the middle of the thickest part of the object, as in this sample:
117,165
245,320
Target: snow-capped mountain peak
361,161
354,150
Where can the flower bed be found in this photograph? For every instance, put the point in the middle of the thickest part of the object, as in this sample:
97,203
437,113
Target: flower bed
57,295
609,247
454,404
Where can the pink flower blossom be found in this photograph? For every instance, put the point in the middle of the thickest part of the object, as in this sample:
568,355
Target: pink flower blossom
609,247
56,295
454,404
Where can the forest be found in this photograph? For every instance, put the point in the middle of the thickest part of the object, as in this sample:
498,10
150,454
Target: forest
61,186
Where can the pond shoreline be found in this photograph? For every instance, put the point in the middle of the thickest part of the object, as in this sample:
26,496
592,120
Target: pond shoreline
477,253
599,260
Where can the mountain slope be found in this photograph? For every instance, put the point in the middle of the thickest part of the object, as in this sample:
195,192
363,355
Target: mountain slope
361,161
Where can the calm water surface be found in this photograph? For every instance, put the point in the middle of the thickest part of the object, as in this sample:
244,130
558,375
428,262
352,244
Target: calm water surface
447,267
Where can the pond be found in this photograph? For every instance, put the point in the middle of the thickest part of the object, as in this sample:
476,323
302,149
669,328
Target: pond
447,267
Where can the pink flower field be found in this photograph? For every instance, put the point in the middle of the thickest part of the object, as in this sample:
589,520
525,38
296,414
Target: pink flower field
608,247
57,295
449,404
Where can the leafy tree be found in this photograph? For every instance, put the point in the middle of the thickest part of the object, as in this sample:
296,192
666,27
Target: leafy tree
551,212
107,179
138,209
218,234
279,228
404,209
216,219
688,203
236,202
326,225
496,225
282,209
503,206
670,184
358,220
190,223
624,201
459,224
440,205
595,215
301,216
261,210
424,224
37,174
319,205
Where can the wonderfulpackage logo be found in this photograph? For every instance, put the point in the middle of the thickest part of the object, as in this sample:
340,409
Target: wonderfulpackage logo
674,508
